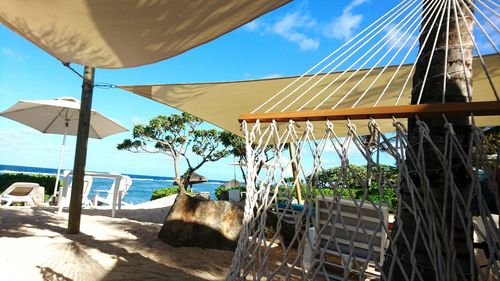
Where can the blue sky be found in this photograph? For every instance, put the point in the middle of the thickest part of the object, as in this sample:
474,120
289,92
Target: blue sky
283,42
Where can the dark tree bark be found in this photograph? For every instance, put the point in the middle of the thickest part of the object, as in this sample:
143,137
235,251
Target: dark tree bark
458,86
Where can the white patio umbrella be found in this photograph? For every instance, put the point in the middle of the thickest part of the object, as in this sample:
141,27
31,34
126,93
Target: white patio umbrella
60,116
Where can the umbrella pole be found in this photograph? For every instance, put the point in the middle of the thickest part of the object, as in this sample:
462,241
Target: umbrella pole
75,205
56,185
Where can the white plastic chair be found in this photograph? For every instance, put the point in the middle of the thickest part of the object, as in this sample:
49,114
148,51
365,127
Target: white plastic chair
28,193
364,233
124,183
65,193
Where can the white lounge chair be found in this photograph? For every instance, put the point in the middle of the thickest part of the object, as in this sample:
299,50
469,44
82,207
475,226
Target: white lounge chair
112,199
351,238
29,193
66,192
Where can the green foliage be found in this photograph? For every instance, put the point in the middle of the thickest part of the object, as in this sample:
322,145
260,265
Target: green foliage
44,180
164,134
221,188
235,144
174,135
354,182
348,183
491,140
164,192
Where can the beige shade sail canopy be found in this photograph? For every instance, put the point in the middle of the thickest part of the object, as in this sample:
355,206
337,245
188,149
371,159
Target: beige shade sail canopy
222,103
126,33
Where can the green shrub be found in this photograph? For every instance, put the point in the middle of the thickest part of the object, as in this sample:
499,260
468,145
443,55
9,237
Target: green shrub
164,192
221,188
44,180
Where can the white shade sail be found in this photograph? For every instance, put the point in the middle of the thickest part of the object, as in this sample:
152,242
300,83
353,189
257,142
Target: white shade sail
222,103
126,33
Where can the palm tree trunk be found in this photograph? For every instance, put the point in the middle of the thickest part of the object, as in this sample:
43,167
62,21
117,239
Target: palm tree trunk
452,52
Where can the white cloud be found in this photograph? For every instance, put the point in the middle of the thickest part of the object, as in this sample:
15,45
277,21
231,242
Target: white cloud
250,76
253,25
346,24
272,75
292,26
398,38
138,120
13,54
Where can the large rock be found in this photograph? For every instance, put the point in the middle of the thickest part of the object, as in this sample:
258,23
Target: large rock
198,222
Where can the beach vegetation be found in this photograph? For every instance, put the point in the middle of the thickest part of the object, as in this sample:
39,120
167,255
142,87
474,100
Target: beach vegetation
47,181
221,188
346,183
164,192
236,146
178,136
208,146
353,183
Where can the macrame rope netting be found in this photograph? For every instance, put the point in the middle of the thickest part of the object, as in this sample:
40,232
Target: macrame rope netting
277,238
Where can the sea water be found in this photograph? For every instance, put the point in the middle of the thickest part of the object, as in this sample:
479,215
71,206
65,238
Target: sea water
142,186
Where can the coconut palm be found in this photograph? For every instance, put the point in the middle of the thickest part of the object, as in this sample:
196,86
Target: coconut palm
451,52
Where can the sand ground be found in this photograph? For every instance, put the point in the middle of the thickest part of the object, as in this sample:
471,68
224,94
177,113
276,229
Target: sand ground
35,245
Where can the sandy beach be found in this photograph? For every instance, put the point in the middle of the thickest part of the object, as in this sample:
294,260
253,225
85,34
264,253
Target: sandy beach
34,245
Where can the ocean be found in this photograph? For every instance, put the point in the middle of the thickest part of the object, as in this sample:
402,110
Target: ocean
140,191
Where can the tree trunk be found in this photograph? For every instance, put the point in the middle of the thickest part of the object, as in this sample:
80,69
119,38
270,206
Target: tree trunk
176,167
458,86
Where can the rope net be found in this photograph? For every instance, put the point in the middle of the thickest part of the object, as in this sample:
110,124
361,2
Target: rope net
379,199
342,215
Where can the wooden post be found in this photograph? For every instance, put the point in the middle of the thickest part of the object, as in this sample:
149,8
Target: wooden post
75,206
295,171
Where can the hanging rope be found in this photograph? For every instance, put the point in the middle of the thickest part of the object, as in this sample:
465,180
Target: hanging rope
393,38
403,204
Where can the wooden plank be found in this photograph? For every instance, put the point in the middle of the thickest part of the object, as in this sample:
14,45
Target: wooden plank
360,245
351,215
351,228
380,112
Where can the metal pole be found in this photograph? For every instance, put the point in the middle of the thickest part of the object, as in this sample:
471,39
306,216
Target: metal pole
75,205
56,186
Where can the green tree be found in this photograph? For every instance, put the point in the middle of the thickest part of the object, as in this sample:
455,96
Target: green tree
236,146
207,145
433,85
175,135
491,143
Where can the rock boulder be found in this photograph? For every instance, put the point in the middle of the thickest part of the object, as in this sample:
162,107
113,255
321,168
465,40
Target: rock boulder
198,222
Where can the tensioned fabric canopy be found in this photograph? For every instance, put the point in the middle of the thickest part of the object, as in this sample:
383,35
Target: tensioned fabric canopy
222,103
126,33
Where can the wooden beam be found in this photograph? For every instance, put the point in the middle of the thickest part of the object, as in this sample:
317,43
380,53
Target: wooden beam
295,171
380,112
75,204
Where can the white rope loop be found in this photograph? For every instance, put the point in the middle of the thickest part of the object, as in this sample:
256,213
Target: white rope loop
257,253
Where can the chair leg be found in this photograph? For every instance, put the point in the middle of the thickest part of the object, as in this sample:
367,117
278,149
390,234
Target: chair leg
8,201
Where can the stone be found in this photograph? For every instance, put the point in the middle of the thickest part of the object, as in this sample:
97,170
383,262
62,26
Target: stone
199,222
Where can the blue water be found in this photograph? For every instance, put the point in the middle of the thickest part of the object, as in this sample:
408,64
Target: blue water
140,191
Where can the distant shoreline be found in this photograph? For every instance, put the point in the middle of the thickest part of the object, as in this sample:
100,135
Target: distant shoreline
7,168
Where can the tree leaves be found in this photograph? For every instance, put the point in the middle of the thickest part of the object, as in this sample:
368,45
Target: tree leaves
174,135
